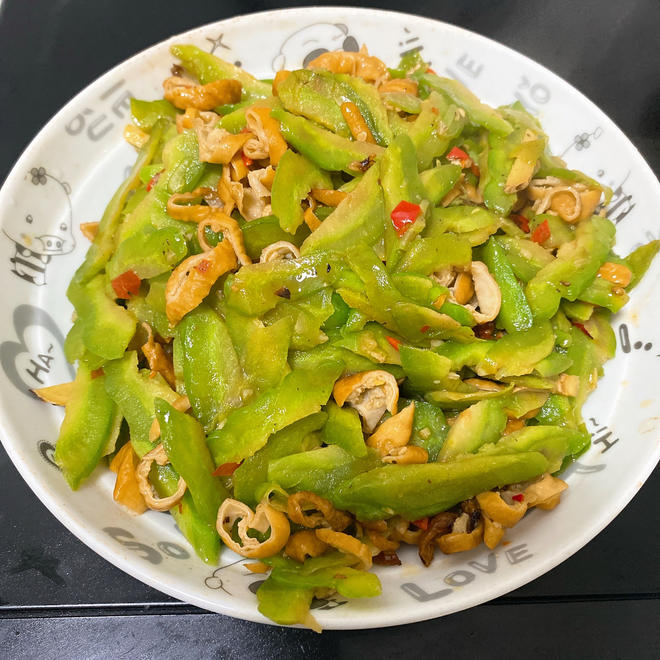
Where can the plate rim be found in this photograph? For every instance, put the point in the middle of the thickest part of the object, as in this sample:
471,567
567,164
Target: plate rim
115,557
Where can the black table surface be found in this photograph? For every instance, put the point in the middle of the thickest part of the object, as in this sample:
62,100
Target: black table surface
58,599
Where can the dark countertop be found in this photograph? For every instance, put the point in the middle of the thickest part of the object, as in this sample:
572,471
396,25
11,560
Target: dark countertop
58,599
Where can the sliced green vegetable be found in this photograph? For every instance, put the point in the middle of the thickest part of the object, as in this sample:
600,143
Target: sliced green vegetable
104,242
357,219
479,113
515,313
301,393
134,392
202,537
106,328
207,68
211,369
294,178
184,442
325,149
344,429
416,491
89,429
292,439
481,423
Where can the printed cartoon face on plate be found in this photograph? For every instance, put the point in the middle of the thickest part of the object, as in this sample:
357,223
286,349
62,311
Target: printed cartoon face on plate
306,44
43,227
46,228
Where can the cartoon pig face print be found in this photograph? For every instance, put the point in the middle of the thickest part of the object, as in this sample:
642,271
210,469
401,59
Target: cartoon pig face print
309,42
42,228
46,227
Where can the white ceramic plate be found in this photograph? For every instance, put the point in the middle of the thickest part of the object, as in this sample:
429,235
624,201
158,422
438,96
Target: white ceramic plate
69,172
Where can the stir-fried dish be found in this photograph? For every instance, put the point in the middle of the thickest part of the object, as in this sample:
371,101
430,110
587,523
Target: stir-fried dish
338,312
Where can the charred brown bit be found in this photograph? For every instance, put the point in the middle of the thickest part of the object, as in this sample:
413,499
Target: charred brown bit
385,558
283,292
485,330
177,70
362,165
438,525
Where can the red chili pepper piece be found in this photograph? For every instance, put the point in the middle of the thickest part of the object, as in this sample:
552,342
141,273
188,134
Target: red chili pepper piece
97,373
579,325
126,285
460,156
403,215
521,221
394,343
422,523
519,497
226,469
430,70
542,233
154,180
425,328
456,153
246,160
